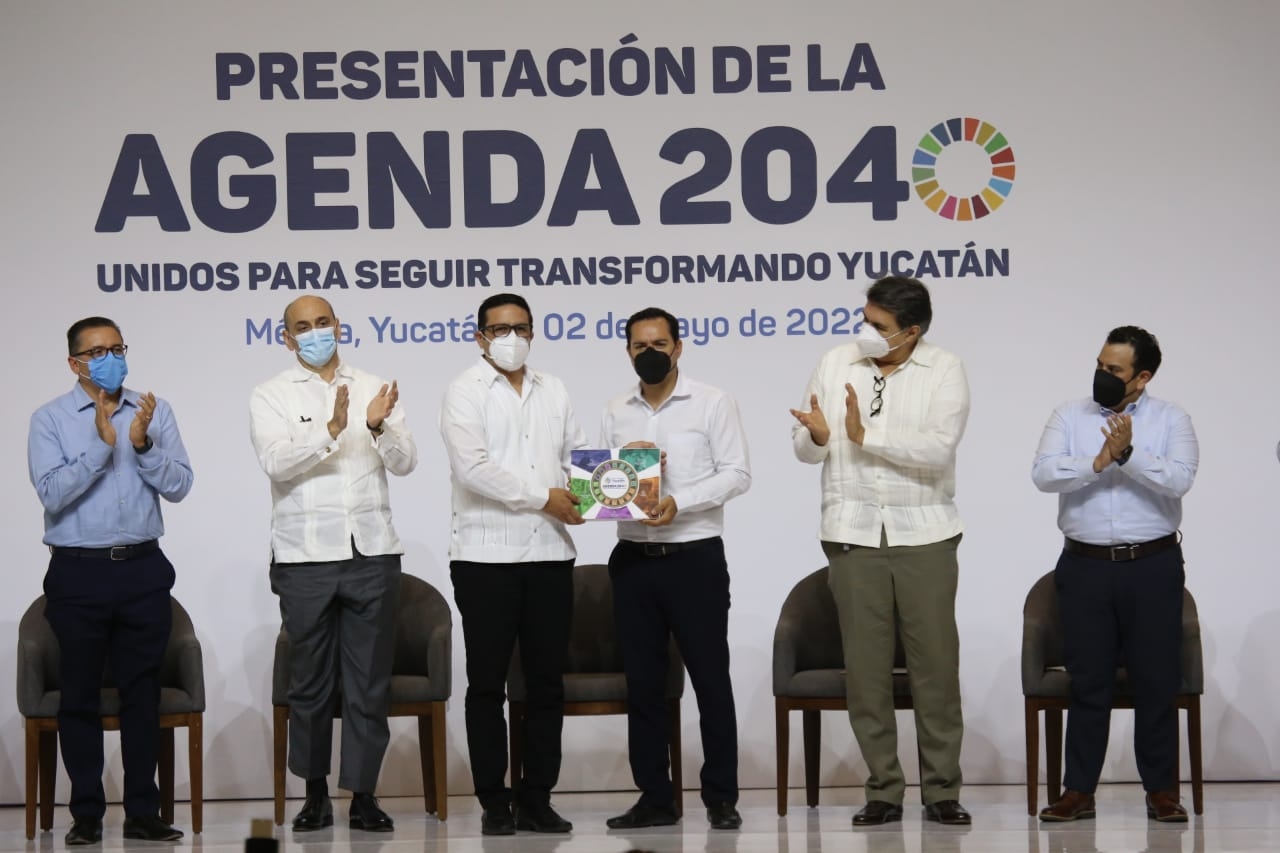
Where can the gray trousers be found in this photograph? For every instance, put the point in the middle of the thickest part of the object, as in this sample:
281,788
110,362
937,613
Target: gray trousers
341,620
909,591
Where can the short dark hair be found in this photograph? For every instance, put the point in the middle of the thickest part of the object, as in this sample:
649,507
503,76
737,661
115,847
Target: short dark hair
655,314
73,334
1146,349
905,298
499,299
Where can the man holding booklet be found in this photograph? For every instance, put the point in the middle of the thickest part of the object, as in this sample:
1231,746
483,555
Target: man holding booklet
669,571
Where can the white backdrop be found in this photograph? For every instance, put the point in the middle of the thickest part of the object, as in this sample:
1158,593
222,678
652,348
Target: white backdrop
1143,190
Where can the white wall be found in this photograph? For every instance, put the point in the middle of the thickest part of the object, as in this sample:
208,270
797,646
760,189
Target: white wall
1143,134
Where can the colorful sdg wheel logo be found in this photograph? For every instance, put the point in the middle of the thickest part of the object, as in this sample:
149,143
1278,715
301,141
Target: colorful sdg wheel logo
942,143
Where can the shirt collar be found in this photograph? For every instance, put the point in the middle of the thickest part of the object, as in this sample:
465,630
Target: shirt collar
1129,409
81,400
925,354
681,390
491,374
298,373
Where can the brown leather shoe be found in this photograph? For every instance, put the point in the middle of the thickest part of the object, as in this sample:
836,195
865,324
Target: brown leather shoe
877,812
1164,807
1072,805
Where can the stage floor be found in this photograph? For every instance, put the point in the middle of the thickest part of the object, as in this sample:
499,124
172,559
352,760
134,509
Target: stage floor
1238,817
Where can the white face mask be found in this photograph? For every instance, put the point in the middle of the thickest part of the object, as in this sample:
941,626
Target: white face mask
509,351
870,342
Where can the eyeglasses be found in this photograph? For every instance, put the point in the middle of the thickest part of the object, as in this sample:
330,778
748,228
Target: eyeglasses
98,352
501,330
877,402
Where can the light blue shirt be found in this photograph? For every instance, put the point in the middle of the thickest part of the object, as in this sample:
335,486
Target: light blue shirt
1135,502
94,495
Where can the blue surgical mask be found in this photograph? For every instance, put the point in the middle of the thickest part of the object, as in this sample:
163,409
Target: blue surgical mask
317,346
108,371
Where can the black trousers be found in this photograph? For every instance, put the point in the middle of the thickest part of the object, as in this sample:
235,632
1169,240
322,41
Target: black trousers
119,611
1122,614
686,595
500,603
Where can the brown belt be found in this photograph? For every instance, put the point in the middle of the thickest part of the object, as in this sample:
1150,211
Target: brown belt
1121,553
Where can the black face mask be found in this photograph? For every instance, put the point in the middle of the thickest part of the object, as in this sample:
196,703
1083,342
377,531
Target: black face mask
652,366
1108,389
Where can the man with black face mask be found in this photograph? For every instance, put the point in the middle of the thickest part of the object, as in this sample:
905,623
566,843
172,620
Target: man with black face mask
1120,464
669,572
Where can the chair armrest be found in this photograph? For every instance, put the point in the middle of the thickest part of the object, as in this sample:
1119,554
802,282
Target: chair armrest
784,651
31,686
440,656
1192,652
1034,639
190,660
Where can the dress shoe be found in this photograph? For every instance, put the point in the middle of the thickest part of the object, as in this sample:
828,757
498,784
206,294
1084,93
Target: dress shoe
641,815
877,812
497,820
1072,805
540,817
1164,807
948,813
317,813
150,828
84,830
367,815
724,816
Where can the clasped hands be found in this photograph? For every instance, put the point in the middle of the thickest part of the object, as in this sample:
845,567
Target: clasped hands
815,420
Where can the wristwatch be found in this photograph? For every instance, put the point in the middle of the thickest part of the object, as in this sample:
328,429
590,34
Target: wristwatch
1124,455
144,448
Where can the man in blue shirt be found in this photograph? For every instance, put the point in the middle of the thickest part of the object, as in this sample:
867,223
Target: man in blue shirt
1120,464
101,456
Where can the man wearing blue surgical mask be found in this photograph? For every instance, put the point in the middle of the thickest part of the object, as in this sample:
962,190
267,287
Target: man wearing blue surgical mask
335,558
101,457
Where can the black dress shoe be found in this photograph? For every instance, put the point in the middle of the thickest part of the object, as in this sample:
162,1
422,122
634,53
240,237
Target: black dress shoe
497,820
150,828
641,815
84,830
948,812
540,817
877,812
367,815
724,816
317,813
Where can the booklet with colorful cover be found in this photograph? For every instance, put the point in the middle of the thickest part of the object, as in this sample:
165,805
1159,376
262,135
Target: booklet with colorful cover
617,484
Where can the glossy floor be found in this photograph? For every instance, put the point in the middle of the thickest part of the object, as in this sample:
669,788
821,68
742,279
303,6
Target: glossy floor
1238,817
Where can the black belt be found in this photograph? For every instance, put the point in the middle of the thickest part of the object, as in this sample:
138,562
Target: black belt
116,552
1121,553
665,549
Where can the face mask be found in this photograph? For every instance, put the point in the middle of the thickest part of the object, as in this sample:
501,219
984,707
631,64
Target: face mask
108,372
652,366
1108,389
871,344
317,346
509,352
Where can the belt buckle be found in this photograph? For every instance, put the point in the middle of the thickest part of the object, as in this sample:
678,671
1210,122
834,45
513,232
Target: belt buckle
655,549
122,550
1131,552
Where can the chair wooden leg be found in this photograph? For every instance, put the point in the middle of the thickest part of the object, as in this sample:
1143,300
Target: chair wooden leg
440,765
33,775
1053,752
1193,747
48,776
280,738
195,762
165,768
515,741
1031,723
677,764
427,759
782,734
812,729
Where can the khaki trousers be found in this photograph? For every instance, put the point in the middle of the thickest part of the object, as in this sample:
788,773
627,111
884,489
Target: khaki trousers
908,591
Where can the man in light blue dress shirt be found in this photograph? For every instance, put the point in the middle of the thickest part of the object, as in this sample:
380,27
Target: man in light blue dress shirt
101,457
1120,464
